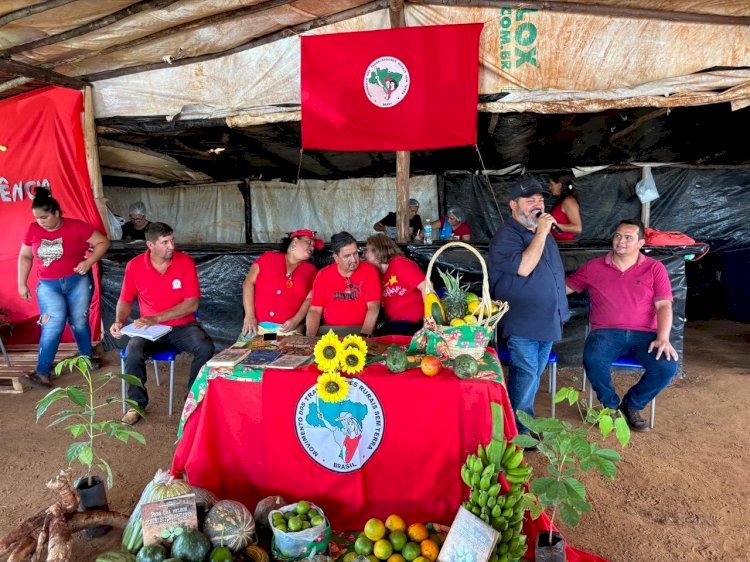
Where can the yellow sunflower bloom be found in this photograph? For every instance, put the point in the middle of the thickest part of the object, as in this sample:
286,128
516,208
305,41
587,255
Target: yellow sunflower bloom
327,352
353,340
352,360
332,387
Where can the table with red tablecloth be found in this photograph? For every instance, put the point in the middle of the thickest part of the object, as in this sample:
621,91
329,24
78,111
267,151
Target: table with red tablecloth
396,445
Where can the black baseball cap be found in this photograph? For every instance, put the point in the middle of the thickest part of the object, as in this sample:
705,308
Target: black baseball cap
527,188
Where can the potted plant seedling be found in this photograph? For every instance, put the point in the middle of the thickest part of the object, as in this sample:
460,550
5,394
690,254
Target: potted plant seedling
571,450
83,415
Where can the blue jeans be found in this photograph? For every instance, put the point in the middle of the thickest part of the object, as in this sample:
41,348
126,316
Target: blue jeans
61,301
605,345
528,359
188,338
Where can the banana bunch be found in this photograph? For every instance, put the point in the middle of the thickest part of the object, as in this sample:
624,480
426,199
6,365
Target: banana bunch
504,511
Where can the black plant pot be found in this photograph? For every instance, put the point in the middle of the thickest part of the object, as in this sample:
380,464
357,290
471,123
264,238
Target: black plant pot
92,497
544,551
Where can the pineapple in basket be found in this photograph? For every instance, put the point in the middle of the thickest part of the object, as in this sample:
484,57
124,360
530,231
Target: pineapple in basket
454,302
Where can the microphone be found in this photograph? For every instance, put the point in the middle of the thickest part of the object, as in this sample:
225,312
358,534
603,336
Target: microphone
554,228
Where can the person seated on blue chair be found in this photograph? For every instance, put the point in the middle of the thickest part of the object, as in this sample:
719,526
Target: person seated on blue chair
631,312
165,282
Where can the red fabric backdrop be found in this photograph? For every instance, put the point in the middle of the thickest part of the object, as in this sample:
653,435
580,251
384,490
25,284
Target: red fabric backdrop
434,73
41,143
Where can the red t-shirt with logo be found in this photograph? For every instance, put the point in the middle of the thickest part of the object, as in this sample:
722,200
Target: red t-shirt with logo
402,300
158,292
58,252
344,301
623,300
275,300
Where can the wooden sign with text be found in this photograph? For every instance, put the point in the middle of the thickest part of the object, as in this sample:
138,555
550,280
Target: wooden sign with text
163,520
470,538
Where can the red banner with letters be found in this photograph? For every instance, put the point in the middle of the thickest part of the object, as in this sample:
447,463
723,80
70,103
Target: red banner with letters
41,144
409,88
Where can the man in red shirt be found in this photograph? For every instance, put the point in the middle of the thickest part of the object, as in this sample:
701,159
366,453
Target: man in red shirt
631,312
346,294
165,282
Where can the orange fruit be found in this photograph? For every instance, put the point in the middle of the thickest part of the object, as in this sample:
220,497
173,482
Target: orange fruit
363,545
395,523
429,549
421,559
417,532
410,551
396,558
398,540
382,549
374,529
431,365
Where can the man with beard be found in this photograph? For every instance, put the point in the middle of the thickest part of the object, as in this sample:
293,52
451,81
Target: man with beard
345,294
165,282
631,313
526,270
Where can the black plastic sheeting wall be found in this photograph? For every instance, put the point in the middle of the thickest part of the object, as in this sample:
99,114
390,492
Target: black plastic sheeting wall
709,205
222,269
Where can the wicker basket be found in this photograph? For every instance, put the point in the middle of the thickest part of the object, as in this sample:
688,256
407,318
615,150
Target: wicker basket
470,339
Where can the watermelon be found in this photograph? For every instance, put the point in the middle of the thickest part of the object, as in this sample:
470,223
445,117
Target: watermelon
465,366
230,524
191,546
396,359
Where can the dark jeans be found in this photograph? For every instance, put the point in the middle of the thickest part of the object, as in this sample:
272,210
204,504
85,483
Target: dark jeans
399,328
188,338
605,345
528,359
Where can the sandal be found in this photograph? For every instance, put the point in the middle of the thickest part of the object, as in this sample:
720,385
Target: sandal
35,380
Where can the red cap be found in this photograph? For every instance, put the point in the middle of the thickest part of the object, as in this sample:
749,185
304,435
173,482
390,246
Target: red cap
317,242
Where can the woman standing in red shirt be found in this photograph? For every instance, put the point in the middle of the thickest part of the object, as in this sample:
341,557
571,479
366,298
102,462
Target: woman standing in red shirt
402,282
567,210
277,287
60,247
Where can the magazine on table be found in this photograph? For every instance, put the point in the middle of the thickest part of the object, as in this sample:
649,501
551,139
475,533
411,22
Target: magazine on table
151,333
259,358
229,357
288,361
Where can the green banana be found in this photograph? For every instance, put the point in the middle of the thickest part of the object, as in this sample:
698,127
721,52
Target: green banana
510,501
494,489
497,511
488,471
482,499
475,478
514,460
484,483
510,450
477,466
466,475
491,500
501,501
482,454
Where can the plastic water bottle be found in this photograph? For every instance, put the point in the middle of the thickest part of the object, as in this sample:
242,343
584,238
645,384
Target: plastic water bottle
428,233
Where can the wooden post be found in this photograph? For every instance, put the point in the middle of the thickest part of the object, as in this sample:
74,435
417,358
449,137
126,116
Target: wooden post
646,213
403,157
92,156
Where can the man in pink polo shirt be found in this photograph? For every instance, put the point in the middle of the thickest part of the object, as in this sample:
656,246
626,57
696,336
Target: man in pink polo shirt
631,312
165,282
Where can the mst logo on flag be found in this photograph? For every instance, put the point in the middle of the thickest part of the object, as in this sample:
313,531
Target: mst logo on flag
420,88
386,82
340,436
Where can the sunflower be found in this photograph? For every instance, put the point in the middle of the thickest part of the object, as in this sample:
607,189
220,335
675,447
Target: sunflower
353,340
352,360
327,352
332,387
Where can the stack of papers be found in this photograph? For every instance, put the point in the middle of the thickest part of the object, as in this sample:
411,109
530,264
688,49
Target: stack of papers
152,333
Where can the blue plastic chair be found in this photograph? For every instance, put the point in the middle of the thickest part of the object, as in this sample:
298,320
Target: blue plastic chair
504,356
624,362
165,355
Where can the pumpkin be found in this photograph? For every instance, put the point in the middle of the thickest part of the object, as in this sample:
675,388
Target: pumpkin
396,360
152,553
191,546
230,524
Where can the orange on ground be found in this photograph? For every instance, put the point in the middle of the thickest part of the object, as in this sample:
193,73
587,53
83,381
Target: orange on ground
429,549
395,523
417,532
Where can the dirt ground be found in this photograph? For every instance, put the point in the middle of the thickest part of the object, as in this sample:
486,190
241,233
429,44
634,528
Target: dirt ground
683,492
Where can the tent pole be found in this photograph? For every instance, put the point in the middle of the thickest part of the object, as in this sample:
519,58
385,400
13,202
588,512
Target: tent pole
92,157
646,213
403,157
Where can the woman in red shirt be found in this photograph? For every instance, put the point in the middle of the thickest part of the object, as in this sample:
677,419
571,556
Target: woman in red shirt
64,251
277,287
402,282
567,210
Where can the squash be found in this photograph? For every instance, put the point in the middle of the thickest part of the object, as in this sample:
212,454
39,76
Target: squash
115,556
230,524
191,546
396,359
465,366
152,553
433,307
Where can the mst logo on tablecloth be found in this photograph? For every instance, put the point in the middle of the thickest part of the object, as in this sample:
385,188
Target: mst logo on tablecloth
340,436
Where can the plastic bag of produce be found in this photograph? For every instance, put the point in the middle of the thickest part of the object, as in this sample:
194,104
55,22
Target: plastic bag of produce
292,539
264,508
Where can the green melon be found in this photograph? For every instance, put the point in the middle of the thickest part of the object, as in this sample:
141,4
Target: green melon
191,546
396,360
230,524
465,366
152,553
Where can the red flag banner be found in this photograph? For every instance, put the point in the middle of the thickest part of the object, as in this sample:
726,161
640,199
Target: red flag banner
409,88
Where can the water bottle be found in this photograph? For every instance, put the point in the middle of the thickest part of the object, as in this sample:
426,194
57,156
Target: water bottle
428,233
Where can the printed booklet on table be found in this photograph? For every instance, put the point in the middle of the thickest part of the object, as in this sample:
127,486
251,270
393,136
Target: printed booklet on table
152,333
